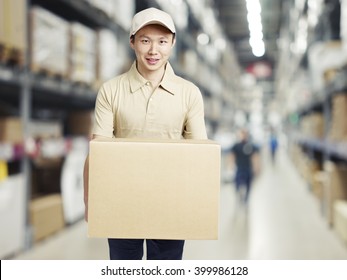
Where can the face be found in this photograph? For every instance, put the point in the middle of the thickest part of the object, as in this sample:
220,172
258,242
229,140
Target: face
152,45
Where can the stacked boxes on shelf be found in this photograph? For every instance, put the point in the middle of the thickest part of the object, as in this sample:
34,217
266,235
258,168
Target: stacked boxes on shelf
313,126
337,186
74,51
338,130
112,8
112,56
49,44
12,32
340,219
82,54
46,216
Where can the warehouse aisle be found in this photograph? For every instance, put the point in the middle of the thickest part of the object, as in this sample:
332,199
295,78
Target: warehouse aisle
283,221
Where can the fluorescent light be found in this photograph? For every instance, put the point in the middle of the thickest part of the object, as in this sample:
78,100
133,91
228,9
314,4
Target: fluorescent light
255,27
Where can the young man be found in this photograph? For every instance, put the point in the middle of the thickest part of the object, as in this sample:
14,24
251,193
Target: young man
148,101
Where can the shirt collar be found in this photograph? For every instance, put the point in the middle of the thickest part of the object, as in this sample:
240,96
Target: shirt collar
137,81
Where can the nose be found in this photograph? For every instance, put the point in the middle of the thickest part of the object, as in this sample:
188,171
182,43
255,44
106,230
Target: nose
153,48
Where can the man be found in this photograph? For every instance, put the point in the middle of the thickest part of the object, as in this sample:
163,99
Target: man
148,101
245,155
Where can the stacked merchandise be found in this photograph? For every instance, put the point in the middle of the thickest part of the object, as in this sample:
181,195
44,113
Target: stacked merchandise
337,186
49,44
338,130
312,125
82,54
112,56
13,31
12,193
112,8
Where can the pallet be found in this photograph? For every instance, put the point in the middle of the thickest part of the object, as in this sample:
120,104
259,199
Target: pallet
11,56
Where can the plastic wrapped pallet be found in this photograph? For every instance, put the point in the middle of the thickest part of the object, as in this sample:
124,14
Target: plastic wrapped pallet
128,10
82,54
107,52
49,42
12,215
72,180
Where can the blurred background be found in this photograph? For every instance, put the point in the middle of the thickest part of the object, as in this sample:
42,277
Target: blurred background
276,68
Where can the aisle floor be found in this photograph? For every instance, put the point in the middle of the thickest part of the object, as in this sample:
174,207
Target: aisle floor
283,221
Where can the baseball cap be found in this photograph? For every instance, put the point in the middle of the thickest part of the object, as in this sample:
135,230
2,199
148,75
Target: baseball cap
151,16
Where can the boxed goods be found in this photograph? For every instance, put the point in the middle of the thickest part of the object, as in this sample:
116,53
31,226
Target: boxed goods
338,129
13,30
337,186
11,130
49,42
158,189
109,50
340,219
46,215
82,54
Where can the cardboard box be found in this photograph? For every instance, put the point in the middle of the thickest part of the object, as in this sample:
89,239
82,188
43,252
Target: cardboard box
46,215
340,218
162,189
11,130
337,186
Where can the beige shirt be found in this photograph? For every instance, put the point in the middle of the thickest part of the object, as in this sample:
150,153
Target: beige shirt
127,106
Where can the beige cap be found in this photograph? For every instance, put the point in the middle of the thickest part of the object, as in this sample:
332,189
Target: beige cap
151,16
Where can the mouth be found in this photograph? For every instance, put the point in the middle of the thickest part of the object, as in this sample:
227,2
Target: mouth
152,61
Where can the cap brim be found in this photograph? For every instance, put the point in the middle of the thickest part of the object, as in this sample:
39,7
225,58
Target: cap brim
152,22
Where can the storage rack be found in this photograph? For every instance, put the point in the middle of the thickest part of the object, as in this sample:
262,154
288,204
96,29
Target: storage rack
294,66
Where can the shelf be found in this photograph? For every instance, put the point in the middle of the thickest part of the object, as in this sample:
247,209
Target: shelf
334,149
47,91
81,10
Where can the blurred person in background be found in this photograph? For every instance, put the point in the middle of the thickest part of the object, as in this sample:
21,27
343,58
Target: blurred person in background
273,145
245,158
148,101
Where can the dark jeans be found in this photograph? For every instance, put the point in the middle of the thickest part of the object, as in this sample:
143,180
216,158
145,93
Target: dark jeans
244,179
132,249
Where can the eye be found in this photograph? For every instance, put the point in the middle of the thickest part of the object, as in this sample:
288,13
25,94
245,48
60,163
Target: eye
144,41
163,42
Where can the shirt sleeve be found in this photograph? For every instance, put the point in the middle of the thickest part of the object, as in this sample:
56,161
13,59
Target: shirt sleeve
195,121
104,116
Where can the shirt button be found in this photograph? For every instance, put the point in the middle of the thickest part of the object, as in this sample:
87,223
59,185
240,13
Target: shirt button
148,83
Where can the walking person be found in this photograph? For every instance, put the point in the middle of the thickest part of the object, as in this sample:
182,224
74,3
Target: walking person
245,156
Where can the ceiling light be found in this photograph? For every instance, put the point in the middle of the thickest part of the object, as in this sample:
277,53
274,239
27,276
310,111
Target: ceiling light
203,39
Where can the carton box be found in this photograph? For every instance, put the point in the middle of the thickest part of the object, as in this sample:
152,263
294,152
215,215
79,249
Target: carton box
154,189
46,215
337,186
340,219
11,130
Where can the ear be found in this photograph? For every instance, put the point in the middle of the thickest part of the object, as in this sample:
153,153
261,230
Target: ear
132,41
